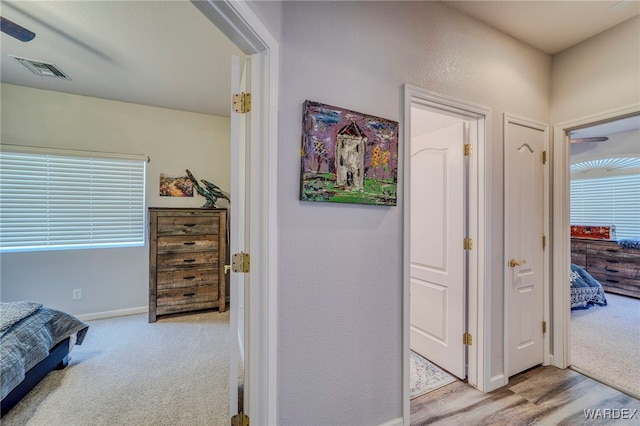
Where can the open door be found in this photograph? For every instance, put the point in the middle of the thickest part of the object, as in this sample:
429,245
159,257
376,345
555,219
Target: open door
238,243
258,170
437,258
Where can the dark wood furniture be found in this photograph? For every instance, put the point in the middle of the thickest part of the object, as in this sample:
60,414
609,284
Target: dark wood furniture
615,267
186,260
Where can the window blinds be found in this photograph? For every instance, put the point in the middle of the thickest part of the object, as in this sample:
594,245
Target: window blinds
613,200
69,200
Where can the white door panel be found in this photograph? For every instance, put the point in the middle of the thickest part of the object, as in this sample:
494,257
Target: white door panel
437,292
524,228
430,323
239,234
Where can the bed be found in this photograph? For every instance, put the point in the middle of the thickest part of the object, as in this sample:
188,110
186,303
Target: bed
33,341
586,291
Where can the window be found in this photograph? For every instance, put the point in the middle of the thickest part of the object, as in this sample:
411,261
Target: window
59,199
611,196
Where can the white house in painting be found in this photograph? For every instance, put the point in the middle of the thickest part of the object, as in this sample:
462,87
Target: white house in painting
350,148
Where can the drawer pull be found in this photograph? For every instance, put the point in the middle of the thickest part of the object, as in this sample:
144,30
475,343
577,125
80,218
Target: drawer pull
189,294
612,250
613,261
189,243
189,278
189,225
611,270
613,281
189,260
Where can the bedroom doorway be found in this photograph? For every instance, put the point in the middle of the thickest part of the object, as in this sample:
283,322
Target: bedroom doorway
604,163
464,126
237,21
561,329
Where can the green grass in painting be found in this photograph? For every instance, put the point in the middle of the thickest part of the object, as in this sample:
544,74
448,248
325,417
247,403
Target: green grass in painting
321,187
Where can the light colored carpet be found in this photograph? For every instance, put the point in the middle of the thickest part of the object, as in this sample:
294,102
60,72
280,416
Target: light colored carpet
605,342
425,377
130,372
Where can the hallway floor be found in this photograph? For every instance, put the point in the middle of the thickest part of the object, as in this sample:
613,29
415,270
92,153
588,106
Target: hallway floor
542,395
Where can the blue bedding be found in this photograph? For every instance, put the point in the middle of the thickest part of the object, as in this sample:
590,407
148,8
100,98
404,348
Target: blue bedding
586,291
28,341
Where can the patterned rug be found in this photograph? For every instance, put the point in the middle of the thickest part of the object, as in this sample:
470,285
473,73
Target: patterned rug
425,377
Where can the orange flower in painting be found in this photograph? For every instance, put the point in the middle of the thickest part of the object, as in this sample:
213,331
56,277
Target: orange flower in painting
375,156
385,157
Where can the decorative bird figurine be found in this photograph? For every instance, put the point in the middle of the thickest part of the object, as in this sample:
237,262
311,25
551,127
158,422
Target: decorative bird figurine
211,193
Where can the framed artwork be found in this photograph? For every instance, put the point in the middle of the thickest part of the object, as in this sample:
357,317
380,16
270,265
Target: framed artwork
347,156
171,186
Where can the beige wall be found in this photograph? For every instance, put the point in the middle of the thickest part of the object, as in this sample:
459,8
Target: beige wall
598,75
110,279
340,272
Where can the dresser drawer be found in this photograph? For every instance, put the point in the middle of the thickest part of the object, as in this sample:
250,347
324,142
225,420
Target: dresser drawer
188,225
187,243
186,278
612,249
614,267
614,284
187,260
186,299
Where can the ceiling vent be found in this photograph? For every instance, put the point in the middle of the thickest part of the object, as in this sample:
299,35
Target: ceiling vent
42,68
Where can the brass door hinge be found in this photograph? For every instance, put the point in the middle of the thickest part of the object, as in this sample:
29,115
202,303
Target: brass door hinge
468,149
242,102
544,157
544,242
240,262
240,419
467,339
544,327
467,244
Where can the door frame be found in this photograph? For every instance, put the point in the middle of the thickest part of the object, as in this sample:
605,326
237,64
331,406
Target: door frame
240,24
479,308
561,226
546,290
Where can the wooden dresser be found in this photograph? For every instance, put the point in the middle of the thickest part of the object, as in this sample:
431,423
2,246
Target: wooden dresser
615,267
186,260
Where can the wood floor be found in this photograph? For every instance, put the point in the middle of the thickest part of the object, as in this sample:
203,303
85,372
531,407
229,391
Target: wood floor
543,395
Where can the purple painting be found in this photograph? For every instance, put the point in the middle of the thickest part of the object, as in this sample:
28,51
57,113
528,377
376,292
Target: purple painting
347,156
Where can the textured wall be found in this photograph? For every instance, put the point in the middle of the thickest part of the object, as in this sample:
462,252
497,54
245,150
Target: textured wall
598,75
110,279
340,290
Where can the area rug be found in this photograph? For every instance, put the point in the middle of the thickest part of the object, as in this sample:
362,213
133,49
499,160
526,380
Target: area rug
425,377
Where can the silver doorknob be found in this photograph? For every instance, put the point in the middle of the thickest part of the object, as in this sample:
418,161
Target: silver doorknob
513,263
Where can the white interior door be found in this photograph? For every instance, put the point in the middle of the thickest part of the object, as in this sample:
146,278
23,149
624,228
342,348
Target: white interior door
437,260
239,234
524,229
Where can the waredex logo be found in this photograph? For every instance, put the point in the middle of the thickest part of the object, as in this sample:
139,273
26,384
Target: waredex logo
611,413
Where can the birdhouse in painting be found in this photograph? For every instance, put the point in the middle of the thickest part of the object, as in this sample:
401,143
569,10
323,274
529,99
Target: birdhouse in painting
350,149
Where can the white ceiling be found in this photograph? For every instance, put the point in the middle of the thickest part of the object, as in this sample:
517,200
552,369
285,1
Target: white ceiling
159,53
167,54
550,26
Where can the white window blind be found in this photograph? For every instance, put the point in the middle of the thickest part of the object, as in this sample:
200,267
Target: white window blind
70,200
613,200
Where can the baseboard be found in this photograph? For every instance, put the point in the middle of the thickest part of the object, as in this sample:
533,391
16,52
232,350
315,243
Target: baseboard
393,422
111,314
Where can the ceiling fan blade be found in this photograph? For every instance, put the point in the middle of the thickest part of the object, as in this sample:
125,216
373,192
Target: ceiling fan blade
597,139
15,30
